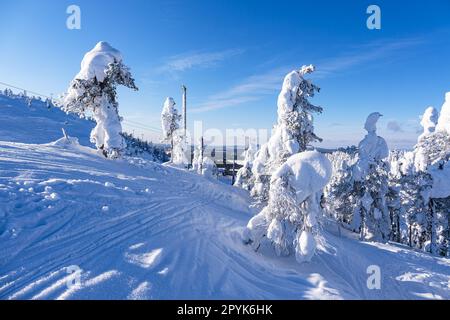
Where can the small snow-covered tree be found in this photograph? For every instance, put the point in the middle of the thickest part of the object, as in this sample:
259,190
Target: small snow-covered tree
94,91
197,161
293,132
371,184
170,119
289,222
244,177
209,168
339,198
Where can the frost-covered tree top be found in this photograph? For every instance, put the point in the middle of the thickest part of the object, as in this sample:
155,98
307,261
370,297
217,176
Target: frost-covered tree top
444,118
295,92
371,122
373,147
96,62
169,119
429,121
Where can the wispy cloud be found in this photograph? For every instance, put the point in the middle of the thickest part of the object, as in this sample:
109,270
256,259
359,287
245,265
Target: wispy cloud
255,87
184,62
366,53
252,88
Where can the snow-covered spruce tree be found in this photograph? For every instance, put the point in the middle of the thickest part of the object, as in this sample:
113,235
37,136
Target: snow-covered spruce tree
293,132
289,222
371,184
197,161
93,91
244,176
339,200
170,119
432,156
394,199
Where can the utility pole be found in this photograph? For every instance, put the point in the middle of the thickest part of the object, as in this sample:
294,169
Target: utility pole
184,90
202,146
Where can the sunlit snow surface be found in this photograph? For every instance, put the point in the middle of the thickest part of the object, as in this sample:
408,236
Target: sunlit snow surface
167,234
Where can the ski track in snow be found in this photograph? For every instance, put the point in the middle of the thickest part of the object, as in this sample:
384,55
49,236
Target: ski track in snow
166,233
181,241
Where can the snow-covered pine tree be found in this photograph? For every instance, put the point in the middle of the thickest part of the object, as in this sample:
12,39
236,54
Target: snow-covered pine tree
293,132
244,176
371,184
94,91
289,222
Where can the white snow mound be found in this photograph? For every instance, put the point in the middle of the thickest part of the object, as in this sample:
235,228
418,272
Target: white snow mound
96,61
310,172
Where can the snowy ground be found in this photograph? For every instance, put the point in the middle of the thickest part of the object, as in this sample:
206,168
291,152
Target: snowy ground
139,230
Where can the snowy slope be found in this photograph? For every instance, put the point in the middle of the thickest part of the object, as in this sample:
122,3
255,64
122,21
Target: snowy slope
139,230
37,123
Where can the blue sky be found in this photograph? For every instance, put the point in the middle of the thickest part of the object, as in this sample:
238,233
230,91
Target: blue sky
233,56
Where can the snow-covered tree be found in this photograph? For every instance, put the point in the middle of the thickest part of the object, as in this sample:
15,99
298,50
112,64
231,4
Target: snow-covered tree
443,124
209,168
170,119
293,132
197,161
289,222
94,91
371,184
244,176
339,198
432,159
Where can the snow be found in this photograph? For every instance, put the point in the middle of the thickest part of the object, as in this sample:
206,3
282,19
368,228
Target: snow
310,170
46,123
429,121
371,122
444,118
169,118
96,61
441,178
306,247
372,148
182,241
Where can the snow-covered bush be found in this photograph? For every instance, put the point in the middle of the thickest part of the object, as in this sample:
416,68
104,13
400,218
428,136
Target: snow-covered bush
293,132
290,219
244,176
94,91
209,168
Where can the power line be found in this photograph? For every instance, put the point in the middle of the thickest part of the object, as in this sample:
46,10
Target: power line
131,123
22,89
142,127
